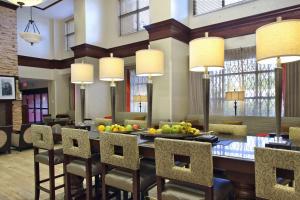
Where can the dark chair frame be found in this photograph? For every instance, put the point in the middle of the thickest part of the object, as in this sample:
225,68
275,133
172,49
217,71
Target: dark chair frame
22,144
7,145
51,178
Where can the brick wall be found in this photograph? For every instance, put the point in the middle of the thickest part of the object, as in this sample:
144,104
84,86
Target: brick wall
8,42
8,55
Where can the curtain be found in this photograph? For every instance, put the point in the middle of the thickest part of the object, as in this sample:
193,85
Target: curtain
241,72
292,90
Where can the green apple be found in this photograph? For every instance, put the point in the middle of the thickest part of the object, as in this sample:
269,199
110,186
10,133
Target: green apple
166,128
108,129
128,127
176,129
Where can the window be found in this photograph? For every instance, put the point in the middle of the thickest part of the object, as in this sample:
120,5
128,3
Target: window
242,72
69,34
37,102
134,15
138,92
206,6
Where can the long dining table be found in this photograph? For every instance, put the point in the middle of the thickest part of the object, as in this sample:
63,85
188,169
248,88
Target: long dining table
233,156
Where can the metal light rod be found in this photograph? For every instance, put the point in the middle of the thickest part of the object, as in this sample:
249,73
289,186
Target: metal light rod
149,99
278,95
206,88
113,101
82,101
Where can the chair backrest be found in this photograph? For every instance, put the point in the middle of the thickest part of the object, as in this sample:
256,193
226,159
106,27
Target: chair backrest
102,121
76,143
200,170
111,143
237,130
267,160
42,137
141,123
56,128
294,133
161,123
5,135
26,131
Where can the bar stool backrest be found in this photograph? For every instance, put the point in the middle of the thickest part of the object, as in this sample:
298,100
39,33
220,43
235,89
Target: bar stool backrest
200,170
267,160
42,137
76,143
294,133
111,143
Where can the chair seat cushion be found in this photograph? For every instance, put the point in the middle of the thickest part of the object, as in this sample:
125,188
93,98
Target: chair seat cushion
77,167
181,191
44,157
124,180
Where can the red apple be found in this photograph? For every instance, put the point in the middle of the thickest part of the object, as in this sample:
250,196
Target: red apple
135,127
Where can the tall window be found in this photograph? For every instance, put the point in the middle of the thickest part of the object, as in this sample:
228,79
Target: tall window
37,102
242,72
138,92
206,6
134,15
69,34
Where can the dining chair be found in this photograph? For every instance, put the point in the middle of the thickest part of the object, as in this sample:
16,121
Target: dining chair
189,182
294,133
267,162
142,123
161,123
236,130
42,139
79,161
5,138
129,173
22,139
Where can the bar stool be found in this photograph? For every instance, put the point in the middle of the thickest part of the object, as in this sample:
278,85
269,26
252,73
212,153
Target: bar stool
121,152
267,161
79,160
42,138
191,182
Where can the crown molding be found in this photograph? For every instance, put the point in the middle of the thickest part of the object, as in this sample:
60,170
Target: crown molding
168,28
8,5
129,49
44,63
89,51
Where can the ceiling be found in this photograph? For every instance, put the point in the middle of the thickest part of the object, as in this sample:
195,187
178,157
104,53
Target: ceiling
57,9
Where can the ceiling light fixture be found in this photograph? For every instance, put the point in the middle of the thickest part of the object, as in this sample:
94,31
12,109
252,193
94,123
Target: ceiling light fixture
31,37
22,3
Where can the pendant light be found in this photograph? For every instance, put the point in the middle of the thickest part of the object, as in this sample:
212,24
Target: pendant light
22,3
31,37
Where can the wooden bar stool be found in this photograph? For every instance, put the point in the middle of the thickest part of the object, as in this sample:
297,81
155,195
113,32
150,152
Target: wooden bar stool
267,162
79,160
194,181
121,152
42,138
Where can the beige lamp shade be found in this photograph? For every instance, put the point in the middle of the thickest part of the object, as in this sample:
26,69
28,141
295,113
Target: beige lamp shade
26,2
206,53
149,62
111,69
82,73
140,98
280,39
235,96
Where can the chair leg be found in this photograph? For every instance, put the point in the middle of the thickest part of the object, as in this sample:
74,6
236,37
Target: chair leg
97,185
125,195
104,188
37,180
136,186
67,179
51,174
89,184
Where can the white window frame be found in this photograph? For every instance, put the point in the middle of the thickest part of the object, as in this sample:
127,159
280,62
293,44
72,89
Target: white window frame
67,34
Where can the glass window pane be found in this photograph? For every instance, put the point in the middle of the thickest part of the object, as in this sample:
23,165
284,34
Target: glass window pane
228,2
129,24
44,100
204,6
143,3
37,100
45,112
31,115
128,6
30,101
138,87
143,19
38,115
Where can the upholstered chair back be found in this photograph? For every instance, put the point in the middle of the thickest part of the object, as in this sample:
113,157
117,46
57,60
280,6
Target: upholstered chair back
236,130
42,137
56,128
141,123
161,123
120,150
76,142
5,136
294,133
267,160
200,170
26,130
102,121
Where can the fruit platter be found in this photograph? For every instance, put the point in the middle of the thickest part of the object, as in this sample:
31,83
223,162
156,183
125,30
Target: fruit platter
177,131
116,128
